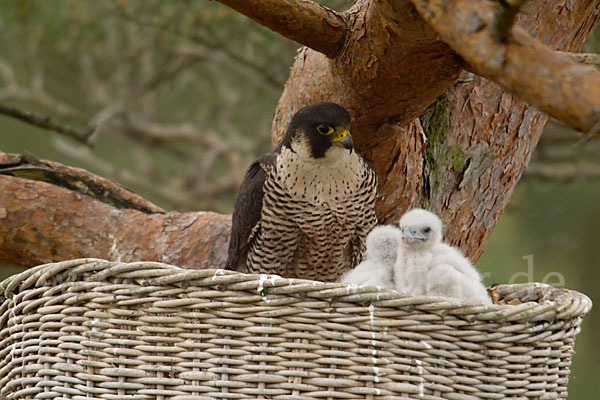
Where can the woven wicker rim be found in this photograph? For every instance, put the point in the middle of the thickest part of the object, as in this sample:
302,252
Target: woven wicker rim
548,303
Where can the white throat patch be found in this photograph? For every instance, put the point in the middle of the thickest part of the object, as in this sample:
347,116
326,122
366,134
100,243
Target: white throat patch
333,155
329,179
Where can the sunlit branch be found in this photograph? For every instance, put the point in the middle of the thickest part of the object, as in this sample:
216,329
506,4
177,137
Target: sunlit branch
303,21
584,58
553,83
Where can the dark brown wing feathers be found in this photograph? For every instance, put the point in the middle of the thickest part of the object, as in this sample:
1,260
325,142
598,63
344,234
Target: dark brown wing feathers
247,210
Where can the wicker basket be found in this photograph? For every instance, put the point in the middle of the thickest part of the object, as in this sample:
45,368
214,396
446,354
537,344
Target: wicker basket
92,329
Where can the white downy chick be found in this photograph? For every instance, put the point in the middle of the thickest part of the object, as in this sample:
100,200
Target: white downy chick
427,266
376,270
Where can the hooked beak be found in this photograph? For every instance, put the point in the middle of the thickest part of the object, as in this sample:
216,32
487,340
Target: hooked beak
411,236
343,139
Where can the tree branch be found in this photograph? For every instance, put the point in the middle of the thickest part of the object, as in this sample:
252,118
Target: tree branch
80,226
568,91
584,58
93,217
47,124
171,190
303,21
75,179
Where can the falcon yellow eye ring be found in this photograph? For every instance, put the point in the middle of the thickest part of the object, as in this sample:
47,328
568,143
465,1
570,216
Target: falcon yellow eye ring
325,129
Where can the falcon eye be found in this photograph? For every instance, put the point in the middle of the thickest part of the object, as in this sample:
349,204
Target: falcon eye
427,230
325,129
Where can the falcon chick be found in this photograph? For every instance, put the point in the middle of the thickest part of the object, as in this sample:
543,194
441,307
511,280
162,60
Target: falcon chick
305,209
376,269
427,266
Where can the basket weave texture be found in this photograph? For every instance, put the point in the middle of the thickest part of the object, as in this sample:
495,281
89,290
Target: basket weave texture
93,329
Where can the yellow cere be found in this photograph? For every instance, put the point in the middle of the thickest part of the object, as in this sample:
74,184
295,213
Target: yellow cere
341,135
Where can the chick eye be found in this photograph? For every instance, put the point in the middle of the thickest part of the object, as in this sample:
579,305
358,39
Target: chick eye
427,230
325,129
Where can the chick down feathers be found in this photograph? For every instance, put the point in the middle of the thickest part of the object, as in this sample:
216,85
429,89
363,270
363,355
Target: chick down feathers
427,266
382,250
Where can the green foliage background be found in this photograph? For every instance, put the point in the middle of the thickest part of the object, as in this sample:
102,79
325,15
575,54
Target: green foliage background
87,55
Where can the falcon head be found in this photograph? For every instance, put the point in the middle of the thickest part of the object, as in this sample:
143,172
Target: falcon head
320,131
420,229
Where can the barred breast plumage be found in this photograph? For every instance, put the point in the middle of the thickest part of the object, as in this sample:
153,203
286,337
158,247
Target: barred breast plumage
301,215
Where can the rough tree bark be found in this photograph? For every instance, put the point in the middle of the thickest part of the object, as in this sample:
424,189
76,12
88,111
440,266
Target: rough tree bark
388,62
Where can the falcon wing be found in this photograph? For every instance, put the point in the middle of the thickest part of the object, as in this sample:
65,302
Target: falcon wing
247,211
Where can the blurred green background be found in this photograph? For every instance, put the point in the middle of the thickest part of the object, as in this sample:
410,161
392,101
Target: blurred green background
161,81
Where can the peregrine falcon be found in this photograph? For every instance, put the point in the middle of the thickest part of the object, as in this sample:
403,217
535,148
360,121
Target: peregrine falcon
305,209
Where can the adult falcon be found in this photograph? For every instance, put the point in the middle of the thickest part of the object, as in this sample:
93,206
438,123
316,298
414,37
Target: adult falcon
305,209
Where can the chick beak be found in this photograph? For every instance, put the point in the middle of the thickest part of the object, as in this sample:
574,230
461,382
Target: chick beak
343,139
411,236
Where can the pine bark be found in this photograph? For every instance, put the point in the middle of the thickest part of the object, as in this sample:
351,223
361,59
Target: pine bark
42,222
